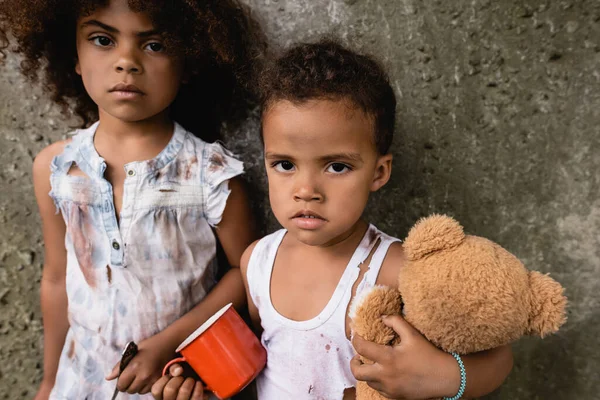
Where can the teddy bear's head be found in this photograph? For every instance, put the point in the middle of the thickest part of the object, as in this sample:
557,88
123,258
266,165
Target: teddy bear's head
467,294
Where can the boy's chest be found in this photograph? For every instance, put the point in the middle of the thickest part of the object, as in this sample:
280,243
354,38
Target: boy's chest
300,290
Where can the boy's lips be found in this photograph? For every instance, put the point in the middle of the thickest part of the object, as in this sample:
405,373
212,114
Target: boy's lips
309,220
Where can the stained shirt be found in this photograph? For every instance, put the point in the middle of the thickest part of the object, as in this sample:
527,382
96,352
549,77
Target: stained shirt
310,360
129,279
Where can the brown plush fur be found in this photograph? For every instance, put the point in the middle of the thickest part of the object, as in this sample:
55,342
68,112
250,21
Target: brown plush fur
463,293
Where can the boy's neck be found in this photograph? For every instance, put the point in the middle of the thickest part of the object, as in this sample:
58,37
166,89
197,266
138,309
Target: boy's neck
345,244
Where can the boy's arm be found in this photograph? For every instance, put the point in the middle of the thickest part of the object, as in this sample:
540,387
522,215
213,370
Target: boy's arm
253,311
53,294
415,368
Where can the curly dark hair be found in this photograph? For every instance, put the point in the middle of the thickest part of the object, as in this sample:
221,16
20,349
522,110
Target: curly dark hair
328,70
220,41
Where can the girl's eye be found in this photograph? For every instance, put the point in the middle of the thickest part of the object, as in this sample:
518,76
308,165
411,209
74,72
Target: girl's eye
283,166
338,168
155,47
101,41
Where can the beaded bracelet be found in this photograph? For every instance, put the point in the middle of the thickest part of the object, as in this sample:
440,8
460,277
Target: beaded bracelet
463,378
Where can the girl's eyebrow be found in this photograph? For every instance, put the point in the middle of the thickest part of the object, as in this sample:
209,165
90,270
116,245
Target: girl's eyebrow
112,29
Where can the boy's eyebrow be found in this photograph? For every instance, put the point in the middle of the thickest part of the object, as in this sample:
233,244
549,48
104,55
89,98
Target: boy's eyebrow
348,156
94,22
277,156
328,157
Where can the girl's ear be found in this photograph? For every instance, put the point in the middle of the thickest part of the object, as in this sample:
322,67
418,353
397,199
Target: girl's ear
77,68
383,171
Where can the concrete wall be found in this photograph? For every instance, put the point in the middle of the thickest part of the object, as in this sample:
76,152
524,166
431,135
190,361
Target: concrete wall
499,108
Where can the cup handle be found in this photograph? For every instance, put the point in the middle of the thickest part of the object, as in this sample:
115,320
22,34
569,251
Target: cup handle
177,360
173,361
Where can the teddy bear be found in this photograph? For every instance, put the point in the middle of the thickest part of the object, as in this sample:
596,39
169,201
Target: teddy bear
463,293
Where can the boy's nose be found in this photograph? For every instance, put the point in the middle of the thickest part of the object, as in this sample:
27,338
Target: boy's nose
308,193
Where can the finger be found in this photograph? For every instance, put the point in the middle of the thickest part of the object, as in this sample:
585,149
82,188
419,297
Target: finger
371,351
158,387
172,388
146,389
198,393
365,372
175,370
125,380
379,387
114,373
136,385
185,391
400,326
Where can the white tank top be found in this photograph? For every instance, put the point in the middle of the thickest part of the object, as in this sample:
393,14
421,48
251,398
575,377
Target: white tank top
309,359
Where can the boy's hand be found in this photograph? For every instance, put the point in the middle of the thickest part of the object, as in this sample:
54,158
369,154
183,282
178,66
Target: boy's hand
413,369
144,369
174,386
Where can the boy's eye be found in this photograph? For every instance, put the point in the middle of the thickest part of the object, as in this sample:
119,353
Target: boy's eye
101,41
283,166
155,47
338,168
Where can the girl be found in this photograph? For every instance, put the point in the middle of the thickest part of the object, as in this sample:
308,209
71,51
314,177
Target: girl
133,205
327,122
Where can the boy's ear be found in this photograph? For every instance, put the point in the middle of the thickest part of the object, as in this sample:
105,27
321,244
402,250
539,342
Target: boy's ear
383,171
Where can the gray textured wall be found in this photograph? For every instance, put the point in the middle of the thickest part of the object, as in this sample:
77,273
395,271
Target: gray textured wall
499,108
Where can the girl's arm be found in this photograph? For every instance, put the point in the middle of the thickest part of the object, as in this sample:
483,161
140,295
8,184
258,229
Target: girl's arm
415,368
53,287
235,232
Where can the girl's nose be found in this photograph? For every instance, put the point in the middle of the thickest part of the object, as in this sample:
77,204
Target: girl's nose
127,62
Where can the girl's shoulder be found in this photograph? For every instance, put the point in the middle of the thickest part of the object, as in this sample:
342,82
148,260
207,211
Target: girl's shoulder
44,158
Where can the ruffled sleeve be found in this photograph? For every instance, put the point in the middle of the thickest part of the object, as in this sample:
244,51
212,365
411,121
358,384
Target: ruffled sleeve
220,167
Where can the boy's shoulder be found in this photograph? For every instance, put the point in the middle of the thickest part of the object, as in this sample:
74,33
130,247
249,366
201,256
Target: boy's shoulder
390,268
268,239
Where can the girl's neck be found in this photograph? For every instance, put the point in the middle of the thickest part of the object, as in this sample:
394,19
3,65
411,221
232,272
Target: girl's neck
117,130
120,142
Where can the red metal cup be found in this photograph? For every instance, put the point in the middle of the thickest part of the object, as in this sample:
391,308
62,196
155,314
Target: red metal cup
224,352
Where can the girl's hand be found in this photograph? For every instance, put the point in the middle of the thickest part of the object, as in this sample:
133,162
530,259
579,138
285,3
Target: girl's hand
43,392
173,386
144,369
414,369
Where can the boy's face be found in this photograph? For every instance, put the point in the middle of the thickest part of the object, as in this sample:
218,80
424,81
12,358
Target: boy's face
123,63
321,165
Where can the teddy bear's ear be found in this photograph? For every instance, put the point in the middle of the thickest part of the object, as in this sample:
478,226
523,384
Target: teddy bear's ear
433,233
548,305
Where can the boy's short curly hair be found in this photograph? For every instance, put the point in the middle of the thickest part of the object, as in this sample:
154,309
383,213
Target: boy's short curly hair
328,70
219,40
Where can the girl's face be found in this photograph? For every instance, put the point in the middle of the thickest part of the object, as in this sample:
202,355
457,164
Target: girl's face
123,63
321,164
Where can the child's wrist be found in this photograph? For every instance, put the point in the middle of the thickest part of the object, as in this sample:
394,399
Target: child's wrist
450,378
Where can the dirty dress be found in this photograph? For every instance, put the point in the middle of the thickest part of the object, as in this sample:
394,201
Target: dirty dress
130,278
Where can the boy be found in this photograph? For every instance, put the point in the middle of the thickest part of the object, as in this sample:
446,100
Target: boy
327,123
